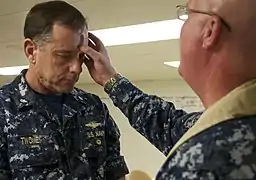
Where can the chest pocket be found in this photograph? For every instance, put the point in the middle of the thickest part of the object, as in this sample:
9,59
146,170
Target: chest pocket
93,139
35,150
93,143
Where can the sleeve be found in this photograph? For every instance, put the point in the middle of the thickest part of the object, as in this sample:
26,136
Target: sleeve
157,120
116,167
5,173
224,151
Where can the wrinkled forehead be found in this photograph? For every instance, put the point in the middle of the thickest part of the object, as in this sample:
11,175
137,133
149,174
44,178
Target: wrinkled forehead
65,37
83,37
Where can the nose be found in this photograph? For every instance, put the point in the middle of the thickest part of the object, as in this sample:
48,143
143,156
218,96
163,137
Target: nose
76,66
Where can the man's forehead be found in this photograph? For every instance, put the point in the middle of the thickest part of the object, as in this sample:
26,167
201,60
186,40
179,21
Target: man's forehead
84,33
207,5
68,38
199,3
190,2
194,3
83,38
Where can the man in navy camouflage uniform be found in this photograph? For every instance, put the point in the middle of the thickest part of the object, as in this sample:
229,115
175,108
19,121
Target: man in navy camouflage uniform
48,128
218,61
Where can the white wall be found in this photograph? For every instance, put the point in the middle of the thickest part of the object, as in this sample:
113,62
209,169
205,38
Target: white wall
138,152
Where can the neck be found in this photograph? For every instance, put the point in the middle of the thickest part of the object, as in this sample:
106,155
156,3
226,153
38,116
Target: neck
34,83
219,85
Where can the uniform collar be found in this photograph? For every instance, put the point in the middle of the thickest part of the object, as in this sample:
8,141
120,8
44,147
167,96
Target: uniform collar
239,103
24,96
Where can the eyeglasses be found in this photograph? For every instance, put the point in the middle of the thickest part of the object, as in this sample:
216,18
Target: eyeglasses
183,11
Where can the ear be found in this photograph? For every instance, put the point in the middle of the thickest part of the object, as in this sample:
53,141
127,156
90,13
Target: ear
212,32
30,50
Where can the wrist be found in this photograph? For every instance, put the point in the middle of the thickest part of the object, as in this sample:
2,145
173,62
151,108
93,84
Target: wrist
108,78
111,82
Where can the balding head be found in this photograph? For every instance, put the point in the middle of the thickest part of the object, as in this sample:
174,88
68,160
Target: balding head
241,16
217,44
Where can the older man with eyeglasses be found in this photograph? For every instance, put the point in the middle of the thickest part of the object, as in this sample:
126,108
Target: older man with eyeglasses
218,61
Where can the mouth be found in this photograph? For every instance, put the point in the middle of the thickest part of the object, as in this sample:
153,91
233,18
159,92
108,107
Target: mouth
71,81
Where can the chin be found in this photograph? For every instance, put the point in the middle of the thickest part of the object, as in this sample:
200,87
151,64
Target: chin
65,89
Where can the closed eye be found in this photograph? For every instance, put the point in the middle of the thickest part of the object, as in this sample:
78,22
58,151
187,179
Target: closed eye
65,56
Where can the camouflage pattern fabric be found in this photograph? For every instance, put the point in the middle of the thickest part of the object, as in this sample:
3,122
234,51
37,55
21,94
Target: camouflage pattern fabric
225,151
36,144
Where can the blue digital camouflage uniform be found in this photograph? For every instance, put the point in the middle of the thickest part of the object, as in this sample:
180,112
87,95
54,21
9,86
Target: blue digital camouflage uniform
157,120
225,151
36,144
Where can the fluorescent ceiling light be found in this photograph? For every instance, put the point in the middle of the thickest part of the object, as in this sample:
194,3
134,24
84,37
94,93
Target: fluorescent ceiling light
10,71
140,33
175,64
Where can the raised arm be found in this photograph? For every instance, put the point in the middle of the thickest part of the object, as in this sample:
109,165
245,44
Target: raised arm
151,116
156,119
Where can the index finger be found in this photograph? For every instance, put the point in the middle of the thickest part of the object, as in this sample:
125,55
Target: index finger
90,53
96,40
